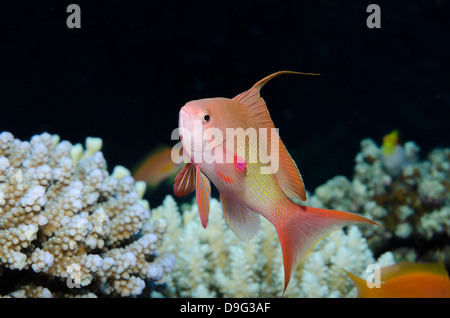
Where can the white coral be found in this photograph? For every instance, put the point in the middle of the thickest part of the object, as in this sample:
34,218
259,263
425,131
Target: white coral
436,222
64,216
213,262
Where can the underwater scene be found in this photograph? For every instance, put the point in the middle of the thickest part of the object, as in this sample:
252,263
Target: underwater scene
235,149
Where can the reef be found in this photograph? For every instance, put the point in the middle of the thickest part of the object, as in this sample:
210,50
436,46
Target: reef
410,201
215,263
68,228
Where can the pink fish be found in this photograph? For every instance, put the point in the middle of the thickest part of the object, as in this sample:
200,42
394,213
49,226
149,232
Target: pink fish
255,176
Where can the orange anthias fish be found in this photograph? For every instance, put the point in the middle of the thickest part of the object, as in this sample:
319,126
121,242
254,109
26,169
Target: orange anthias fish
407,280
157,167
250,181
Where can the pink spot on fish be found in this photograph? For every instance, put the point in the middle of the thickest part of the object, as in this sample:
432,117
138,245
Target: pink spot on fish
240,164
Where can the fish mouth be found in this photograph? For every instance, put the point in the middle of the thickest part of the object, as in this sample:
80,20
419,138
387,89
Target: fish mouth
185,145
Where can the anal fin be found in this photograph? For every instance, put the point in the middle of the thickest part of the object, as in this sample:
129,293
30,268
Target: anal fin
242,221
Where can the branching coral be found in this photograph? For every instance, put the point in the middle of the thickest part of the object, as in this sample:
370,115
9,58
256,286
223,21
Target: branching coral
215,263
413,206
64,219
68,228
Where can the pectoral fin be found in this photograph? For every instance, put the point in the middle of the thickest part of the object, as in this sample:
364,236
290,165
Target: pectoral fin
190,178
184,182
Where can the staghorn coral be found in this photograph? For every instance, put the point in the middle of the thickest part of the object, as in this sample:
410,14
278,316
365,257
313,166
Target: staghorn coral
70,227
215,263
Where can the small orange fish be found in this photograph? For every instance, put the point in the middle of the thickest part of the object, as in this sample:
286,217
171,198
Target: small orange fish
251,182
157,167
407,280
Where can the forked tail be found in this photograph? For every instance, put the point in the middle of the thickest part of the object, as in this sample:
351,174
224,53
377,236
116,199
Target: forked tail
304,227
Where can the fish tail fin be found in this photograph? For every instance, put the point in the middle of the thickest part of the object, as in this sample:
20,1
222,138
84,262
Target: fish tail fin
302,227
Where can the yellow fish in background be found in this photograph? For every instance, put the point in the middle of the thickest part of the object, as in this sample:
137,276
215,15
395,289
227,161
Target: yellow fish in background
407,280
390,142
393,154
249,188
157,167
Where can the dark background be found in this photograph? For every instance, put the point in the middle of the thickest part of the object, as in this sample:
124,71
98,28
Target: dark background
125,74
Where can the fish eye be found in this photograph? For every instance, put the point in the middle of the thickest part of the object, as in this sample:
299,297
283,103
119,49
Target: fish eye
206,117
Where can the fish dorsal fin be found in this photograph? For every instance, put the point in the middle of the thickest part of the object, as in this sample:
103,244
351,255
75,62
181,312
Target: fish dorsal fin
184,182
252,95
287,175
405,268
203,193
242,221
